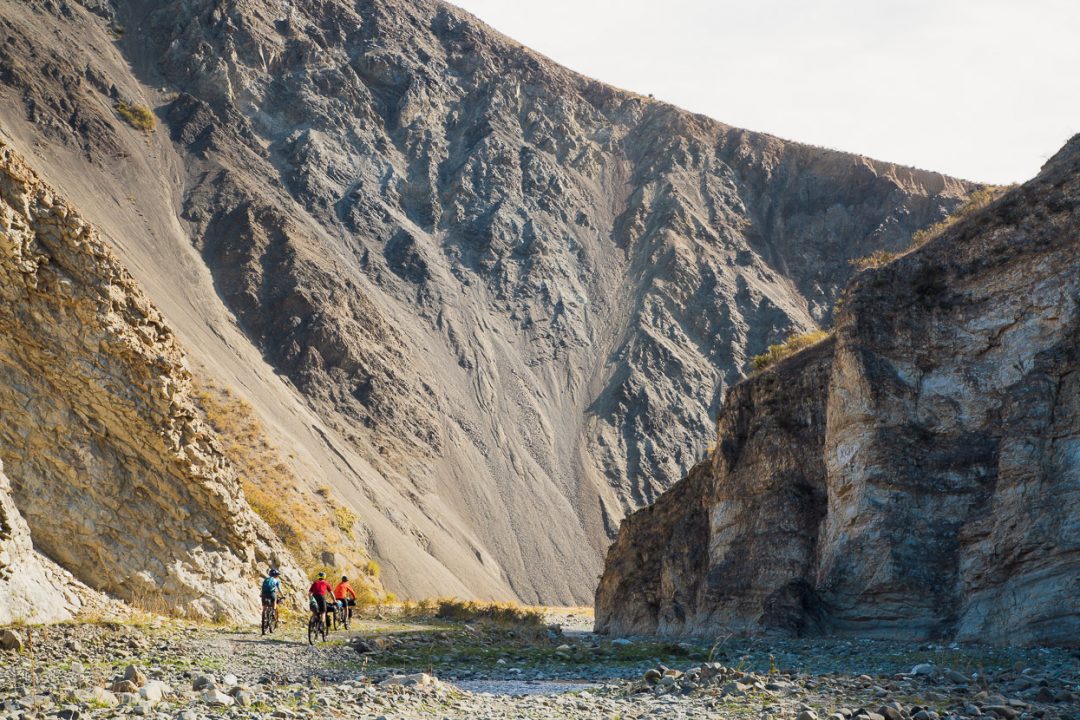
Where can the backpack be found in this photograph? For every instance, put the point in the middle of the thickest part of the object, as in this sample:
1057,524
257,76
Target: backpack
269,586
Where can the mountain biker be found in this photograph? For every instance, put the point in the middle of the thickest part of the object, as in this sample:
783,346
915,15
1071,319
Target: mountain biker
319,590
271,586
344,593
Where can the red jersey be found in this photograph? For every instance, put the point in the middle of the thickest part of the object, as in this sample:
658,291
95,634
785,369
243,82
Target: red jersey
320,588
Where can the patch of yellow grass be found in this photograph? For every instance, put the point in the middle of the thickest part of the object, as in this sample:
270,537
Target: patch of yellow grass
976,201
789,347
875,260
138,116
307,522
502,613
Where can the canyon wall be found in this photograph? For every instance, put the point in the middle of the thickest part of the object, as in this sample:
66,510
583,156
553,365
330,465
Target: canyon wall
917,475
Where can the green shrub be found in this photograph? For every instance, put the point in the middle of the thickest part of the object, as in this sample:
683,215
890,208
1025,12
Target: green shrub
792,345
138,116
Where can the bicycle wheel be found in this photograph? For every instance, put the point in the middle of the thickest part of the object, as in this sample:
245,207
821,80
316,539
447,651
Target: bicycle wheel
325,630
266,613
312,629
273,620
345,617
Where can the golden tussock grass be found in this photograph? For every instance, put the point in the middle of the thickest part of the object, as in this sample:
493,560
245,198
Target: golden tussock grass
138,116
789,347
307,521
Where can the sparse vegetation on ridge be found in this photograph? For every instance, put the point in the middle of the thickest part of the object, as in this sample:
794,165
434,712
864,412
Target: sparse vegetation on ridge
789,347
976,201
875,259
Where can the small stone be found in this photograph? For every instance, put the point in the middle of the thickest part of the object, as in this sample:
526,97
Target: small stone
957,677
203,682
229,680
152,692
890,712
10,640
283,713
135,675
244,698
124,686
622,641
69,713
98,696
1002,711
652,675
187,715
807,715
217,698
923,669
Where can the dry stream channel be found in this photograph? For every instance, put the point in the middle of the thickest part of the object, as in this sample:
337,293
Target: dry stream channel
424,667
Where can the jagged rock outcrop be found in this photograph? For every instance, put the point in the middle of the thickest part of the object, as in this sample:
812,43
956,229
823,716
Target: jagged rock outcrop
915,476
115,475
511,295
32,589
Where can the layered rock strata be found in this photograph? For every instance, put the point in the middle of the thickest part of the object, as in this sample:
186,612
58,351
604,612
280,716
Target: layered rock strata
116,477
916,476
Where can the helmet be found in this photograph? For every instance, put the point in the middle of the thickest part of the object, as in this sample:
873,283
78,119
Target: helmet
274,572
344,579
321,576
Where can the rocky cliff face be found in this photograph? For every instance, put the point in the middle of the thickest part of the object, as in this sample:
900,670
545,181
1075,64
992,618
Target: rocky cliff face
32,589
116,477
511,295
917,475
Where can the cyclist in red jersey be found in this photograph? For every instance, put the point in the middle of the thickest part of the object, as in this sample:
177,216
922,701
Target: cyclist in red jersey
319,590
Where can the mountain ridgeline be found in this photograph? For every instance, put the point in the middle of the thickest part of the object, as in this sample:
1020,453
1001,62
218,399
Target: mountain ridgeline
491,303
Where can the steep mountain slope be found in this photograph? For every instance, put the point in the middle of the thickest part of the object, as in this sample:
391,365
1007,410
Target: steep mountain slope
502,299
111,470
918,475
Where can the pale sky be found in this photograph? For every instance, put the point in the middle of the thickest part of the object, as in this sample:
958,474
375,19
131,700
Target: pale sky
983,89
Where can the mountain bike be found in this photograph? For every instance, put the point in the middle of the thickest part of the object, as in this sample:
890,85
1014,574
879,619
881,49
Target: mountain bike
269,617
316,627
341,615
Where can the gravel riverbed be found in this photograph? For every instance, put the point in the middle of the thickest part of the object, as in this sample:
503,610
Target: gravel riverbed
435,669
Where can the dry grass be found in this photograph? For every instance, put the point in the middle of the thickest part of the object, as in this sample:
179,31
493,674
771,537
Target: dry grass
500,613
138,116
307,522
976,201
789,347
875,260
345,519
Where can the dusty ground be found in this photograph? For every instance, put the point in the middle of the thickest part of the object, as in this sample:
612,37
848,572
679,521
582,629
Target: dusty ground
476,670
